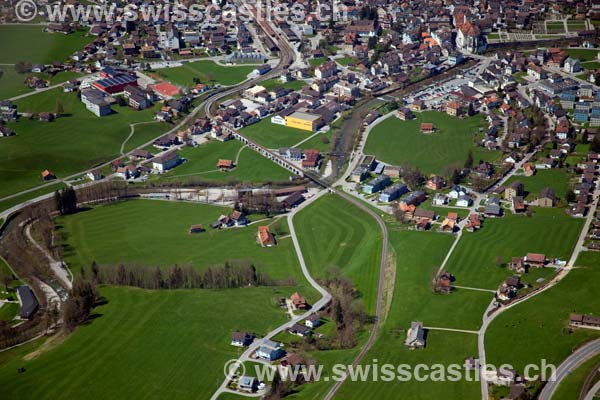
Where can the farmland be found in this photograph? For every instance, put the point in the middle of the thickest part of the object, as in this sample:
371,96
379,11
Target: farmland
207,72
473,262
396,142
273,136
555,178
333,233
545,319
12,83
74,142
154,344
201,165
41,47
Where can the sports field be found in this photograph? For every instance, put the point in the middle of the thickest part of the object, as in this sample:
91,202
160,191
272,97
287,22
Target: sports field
206,71
30,43
273,136
396,142
334,233
537,329
74,142
473,261
201,164
150,344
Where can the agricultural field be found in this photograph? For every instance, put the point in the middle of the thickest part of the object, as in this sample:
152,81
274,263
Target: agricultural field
153,344
41,47
273,136
418,254
556,178
201,165
6,204
132,231
474,260
74,142
396,142
545,319
206,71
334,233
583,54
12,83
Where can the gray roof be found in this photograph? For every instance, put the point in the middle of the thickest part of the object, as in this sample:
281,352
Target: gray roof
29,303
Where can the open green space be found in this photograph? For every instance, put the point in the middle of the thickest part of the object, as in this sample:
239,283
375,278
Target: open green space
334,233
473,261
315,62
274,136
30,43
76,141
572,384
155,233
144,133
8,311
151,344
206,71
201,164
396,142
593,65
13,84
556,178
345,61
538,328
583,54
275,83
6,204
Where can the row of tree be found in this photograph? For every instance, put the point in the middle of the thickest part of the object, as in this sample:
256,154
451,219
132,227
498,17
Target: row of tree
81,302
229,275
66,201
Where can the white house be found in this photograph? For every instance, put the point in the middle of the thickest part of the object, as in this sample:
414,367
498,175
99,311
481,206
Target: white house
572,65
415,337
464,201
166,161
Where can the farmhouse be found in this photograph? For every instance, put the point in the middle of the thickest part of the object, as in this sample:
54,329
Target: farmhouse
535,259
241,339
48,175
265,237
415,336
427,127
166,161
224,165
586,321
196,229
298,301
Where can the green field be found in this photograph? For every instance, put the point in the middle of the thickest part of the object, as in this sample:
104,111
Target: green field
32,44
275,83
273,136
572,385
315,62
74,142
418,254
12,84
555,178
583,54
132,231
334,233
473,261
150,344
201,164
395,141
345,61
208,72
536,329
6,204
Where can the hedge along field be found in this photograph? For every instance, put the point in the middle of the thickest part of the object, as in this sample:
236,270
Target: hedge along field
145,344
155,233
74,142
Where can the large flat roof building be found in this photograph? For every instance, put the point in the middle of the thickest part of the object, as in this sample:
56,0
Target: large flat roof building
303,120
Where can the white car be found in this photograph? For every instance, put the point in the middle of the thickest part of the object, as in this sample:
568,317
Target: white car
261,386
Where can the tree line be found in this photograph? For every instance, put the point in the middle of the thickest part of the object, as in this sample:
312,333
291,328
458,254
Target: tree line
229,275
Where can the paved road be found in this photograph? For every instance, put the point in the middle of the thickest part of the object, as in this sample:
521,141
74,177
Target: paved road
569,365
593,392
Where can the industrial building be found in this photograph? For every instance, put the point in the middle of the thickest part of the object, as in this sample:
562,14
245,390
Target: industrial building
304,121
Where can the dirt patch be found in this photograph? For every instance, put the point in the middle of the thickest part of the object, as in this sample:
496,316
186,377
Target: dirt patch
390,281
48,345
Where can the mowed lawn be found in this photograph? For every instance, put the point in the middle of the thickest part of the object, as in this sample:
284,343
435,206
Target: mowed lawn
556,178
206,71
201,164
334,233
537,329
572,384
548,231
74,142
396,142
155,233
30,43
146,344
273,136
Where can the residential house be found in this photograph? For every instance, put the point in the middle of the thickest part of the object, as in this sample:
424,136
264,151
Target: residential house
415,336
